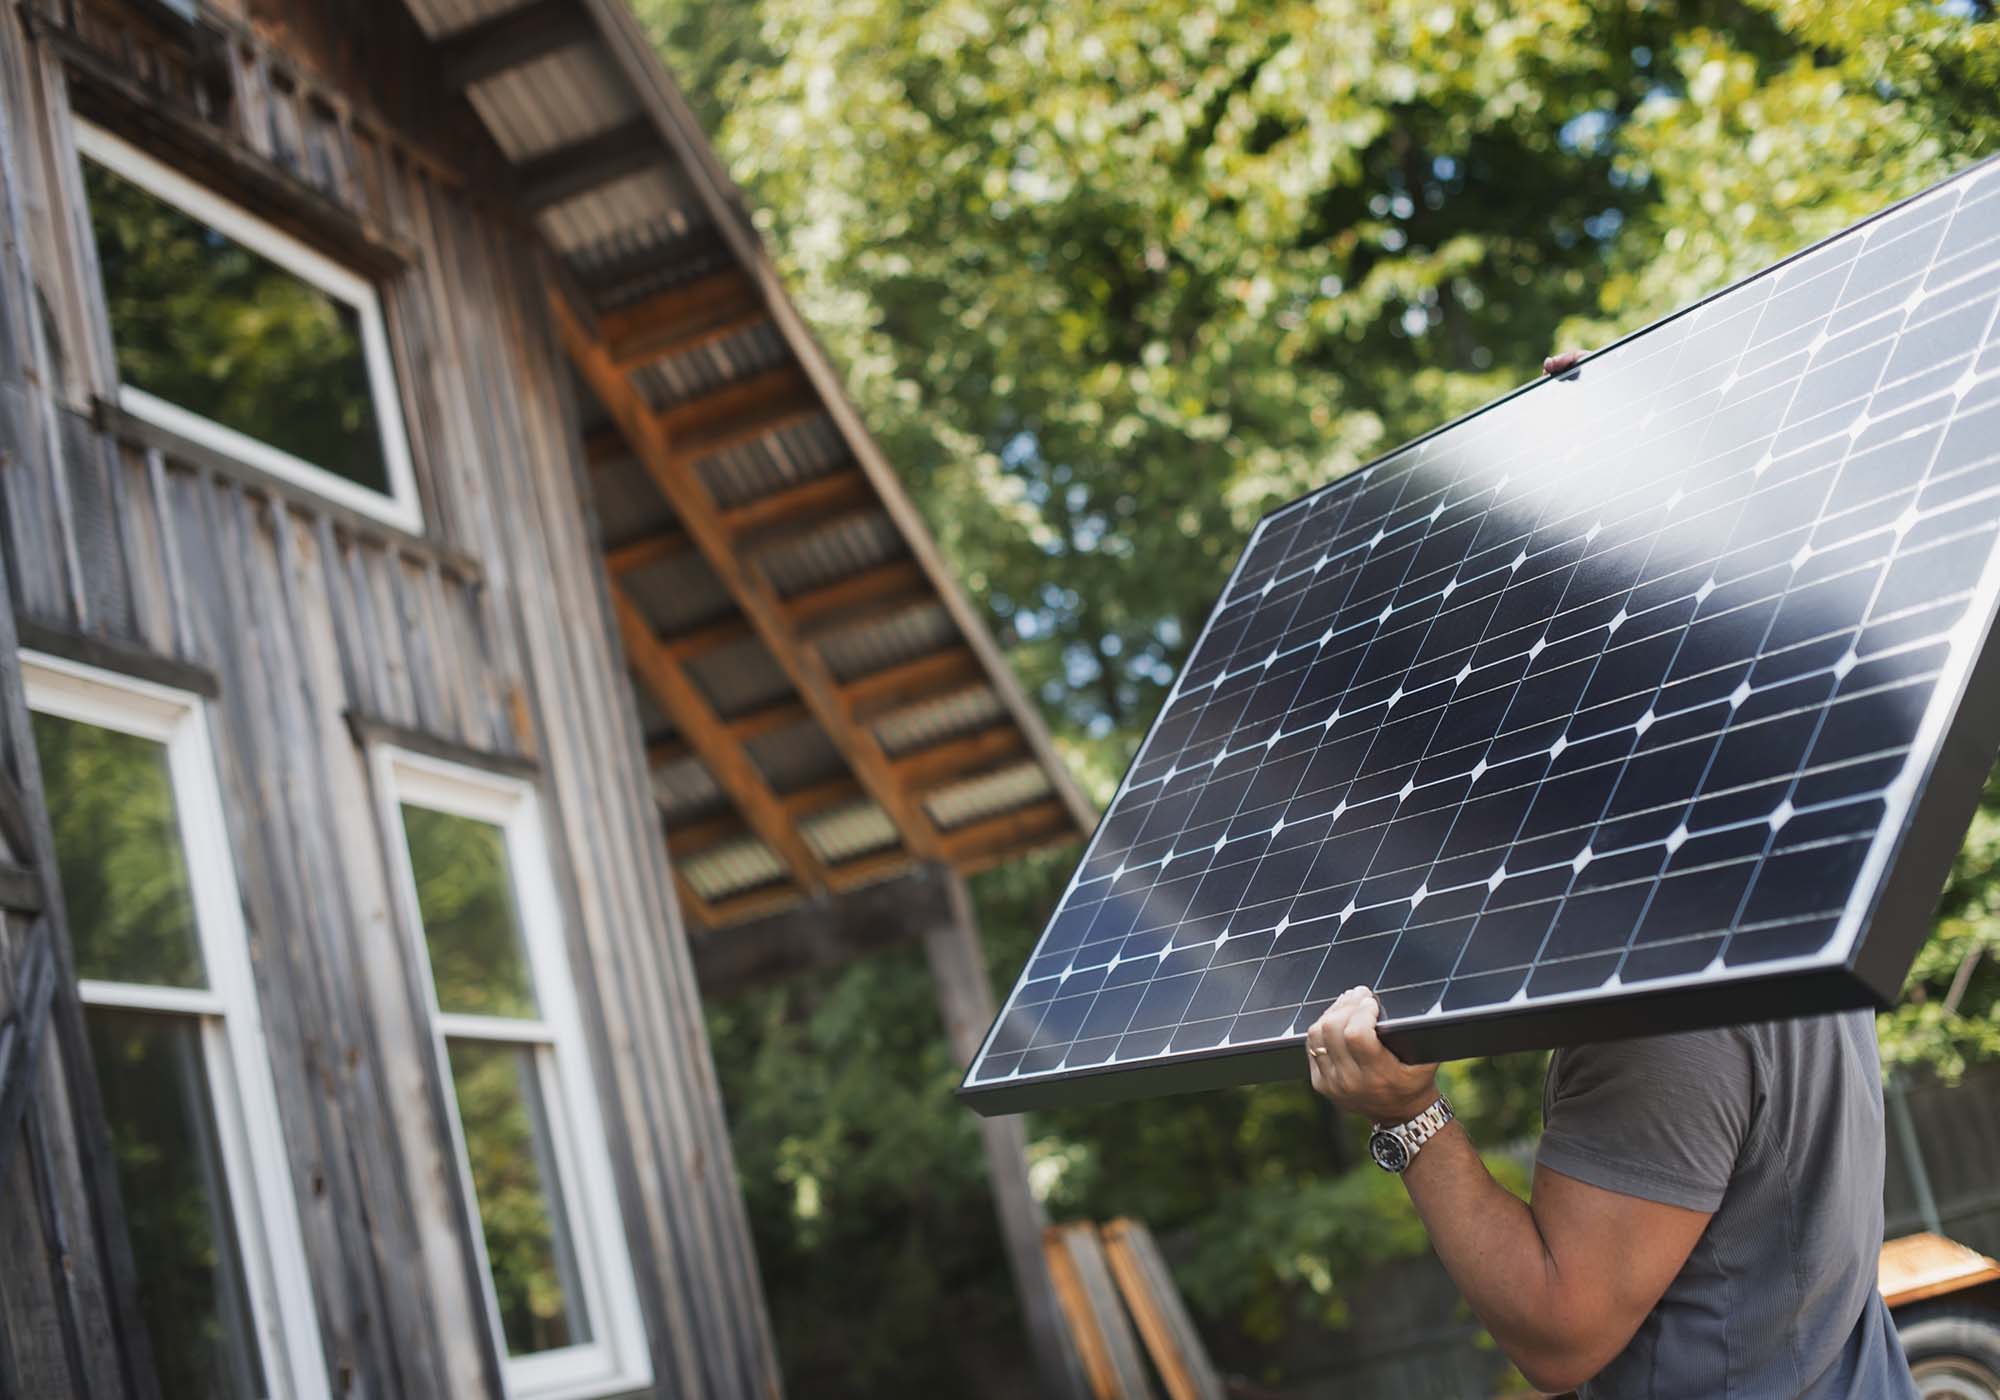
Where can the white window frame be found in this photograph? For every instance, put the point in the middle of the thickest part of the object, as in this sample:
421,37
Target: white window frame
256,1167
616,1359
400,507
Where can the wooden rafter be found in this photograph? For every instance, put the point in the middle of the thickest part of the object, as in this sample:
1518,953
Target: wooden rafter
802,501
711,740
805,801
940,765
1006,831
710,636
687,838
661,752
683,318
757,394
768,719
750,425
653,438
650,549
511,40
852,599
896,687
868,868
747,904
593,162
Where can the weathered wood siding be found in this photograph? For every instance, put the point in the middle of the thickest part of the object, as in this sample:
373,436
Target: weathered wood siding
490,634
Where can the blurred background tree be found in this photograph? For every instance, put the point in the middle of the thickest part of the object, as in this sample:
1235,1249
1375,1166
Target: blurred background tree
1111,280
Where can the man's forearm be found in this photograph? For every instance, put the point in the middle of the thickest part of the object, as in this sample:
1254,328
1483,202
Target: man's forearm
1492,1247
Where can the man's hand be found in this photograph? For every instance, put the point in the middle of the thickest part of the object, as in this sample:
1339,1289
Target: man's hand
1562,362
1354,1069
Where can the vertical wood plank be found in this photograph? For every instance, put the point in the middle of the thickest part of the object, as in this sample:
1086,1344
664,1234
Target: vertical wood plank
1157,1310
1089,1304
965,1000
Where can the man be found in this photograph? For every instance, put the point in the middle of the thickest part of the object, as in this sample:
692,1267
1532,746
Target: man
1706,1210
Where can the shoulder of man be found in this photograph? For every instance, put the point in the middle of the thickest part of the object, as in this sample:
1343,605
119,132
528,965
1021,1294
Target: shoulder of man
1664,1118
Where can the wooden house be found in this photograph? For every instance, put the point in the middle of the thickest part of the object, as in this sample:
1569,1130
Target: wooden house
448,606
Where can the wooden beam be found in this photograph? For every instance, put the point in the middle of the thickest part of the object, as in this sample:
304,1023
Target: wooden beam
710,636
767,719
751,425
964,991
724,756
803,802
512,39
993,857
1162,1318
1089,1301
603,447
819,935
692,904
817,687
824,608
757,394
662,752
870,868
1039,819
750,904
801,501
897,686
928,769
651,549
593,162
706,833
683,318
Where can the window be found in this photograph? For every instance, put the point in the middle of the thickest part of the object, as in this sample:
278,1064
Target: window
163,968
239,337
478,894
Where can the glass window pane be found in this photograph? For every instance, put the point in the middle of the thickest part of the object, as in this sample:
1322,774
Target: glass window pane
514,1177
465,895
191,1282
210,326
119,854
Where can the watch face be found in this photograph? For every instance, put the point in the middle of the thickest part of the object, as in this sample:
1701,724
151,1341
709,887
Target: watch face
1388,1151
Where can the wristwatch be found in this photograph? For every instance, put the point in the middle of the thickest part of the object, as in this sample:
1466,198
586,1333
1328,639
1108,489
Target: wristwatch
1394,1148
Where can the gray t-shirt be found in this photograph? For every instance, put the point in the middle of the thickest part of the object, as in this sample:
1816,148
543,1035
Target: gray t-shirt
1777,1130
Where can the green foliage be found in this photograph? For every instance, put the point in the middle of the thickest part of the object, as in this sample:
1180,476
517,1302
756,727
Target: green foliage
1110,280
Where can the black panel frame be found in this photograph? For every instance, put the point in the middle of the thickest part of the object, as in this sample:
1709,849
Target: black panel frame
1893,926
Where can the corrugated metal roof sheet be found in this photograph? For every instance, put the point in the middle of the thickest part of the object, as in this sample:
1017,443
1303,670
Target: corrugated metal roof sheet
731,868
440,17
845,546
622,220
796,756
678,593
684,377
933,721
629,506
555,101
1013,786
902,636
684,787
739,677
798,453
847,832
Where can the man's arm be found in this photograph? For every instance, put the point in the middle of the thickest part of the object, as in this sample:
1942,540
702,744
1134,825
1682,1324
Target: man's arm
1561,1281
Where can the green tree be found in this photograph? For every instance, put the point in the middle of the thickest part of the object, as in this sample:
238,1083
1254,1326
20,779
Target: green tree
1109,281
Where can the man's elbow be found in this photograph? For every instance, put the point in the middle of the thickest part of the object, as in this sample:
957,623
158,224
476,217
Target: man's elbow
1554,1373
1557,1362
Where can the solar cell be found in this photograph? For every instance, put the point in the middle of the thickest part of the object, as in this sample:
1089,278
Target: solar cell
1654,696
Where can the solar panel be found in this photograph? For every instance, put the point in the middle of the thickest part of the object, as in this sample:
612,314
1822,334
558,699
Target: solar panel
1651,697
